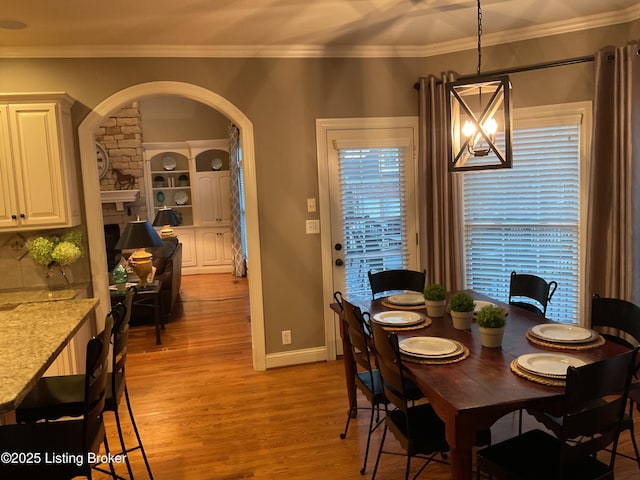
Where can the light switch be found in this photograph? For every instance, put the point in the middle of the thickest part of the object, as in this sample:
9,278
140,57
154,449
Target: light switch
311,205
313,226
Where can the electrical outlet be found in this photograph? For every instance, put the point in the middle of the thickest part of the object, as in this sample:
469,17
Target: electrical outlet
286,337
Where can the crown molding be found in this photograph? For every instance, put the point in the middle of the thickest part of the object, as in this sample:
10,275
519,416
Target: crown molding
321,51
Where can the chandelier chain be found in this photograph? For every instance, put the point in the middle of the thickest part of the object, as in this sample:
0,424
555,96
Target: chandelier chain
479,37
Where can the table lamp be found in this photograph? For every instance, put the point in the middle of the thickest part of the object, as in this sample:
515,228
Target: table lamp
166,218
139,235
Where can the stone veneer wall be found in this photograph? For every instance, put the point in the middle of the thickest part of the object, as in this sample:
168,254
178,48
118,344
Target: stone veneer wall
121,136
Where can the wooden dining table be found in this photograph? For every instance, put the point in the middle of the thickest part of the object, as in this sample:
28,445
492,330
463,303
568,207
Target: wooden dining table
471,394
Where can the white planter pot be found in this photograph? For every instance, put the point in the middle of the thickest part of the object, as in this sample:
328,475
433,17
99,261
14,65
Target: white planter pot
462,320
435,308
491,337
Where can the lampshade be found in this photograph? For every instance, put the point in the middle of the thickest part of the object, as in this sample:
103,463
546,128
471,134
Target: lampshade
166,218
140,235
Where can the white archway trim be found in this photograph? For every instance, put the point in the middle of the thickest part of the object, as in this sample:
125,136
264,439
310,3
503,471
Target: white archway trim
95,231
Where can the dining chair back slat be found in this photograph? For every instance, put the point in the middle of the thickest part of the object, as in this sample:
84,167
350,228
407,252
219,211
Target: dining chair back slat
396,280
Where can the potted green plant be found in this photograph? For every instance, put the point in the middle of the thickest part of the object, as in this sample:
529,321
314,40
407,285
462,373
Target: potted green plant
461,306
434,299
491,321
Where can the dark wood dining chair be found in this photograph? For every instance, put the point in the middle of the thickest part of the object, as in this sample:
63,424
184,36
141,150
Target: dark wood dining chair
590,421
619,321
367,377
56,397
531,292
418,429
76,438
392,280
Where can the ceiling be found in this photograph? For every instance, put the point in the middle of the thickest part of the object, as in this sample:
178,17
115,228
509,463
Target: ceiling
287,28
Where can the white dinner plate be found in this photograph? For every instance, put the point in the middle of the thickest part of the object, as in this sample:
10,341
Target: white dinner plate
169,162
549,364
429,346
409,298
398,318
561,333
216,164
481,303
181,197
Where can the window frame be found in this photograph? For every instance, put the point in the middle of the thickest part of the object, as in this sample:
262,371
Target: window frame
546,115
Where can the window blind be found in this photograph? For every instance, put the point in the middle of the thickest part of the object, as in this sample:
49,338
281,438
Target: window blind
526,219
373,201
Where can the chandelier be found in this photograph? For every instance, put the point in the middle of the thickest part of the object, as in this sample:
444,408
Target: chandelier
479,118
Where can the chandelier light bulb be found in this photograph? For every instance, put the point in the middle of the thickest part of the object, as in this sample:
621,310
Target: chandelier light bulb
468,129
491,126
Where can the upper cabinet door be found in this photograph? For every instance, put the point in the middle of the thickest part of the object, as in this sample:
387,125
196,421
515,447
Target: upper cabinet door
38,172
38,166
214,200
8,206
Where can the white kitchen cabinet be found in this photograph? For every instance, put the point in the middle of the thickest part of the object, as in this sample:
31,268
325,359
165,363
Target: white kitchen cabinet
38,175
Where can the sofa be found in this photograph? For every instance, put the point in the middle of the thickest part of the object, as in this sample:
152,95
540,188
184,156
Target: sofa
168,262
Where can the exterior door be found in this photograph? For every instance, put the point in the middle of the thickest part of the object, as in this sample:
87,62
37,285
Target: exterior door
372,224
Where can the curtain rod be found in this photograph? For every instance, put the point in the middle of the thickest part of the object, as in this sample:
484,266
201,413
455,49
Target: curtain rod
525,68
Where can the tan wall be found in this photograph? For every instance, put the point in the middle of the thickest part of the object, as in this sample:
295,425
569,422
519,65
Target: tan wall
283,98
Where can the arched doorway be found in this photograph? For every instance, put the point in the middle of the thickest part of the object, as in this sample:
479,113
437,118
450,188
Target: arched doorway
93,207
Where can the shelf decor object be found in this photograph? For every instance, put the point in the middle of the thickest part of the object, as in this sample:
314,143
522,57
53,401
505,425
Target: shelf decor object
479,119
139,235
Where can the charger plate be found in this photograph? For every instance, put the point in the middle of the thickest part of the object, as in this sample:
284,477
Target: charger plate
406,299
436,361
424,324
387,304
398,318
554,382
551,365
430,347
598,342
554,332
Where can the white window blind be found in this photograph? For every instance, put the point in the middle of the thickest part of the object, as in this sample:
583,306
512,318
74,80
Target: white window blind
372,184
526,219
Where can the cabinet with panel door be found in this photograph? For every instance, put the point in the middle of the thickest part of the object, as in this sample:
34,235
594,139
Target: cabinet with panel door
38,173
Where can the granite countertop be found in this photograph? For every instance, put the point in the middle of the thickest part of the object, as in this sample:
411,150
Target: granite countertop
32,335
12,298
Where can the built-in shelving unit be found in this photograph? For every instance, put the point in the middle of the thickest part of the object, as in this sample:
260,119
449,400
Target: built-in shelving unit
193,179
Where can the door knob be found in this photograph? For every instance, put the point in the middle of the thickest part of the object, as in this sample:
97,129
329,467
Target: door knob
339,262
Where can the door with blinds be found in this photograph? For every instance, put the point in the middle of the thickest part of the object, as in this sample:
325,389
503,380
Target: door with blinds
373,211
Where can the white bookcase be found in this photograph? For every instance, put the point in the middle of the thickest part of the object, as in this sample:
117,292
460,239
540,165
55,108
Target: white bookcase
193,179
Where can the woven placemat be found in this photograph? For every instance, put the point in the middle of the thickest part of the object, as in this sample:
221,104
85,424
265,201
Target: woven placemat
554,382
598,342
425,324
403,307
437,361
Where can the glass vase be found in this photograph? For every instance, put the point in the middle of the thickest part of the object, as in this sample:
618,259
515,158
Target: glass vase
58,277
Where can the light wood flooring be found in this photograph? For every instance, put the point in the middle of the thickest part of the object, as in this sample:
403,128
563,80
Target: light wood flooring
205,414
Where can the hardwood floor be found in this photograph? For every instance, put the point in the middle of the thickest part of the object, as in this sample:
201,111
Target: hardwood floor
205,414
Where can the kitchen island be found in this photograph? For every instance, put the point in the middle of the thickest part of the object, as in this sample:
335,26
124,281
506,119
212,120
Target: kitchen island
32,337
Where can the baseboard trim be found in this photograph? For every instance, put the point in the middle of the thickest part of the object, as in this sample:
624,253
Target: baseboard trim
296,357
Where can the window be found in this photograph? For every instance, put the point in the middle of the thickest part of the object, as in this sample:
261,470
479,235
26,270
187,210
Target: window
527,219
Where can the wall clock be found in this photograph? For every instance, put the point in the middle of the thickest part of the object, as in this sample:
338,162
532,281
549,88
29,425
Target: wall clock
103,160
